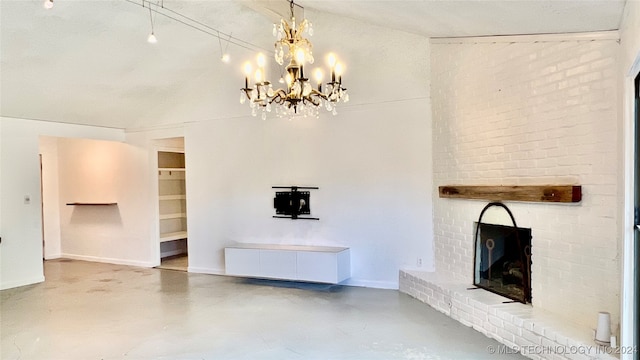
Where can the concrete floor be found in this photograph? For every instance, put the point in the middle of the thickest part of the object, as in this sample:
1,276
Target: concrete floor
100,311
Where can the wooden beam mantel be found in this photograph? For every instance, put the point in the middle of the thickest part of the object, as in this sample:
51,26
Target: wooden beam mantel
535,193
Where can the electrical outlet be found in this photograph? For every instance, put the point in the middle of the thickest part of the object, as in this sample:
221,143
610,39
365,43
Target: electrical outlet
419,262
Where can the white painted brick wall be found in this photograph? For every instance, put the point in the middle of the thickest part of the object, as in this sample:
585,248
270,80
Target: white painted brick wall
542,112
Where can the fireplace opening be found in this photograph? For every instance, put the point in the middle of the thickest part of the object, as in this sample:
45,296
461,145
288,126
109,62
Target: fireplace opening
503,258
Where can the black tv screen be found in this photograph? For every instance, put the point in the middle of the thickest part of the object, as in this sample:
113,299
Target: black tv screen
292,203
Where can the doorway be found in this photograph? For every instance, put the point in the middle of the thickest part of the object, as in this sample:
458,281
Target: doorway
172,210
42,207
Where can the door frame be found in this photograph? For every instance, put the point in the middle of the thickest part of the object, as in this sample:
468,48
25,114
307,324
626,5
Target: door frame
42,208
157,260
628,326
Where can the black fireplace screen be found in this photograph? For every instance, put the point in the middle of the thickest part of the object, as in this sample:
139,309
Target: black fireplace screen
503,258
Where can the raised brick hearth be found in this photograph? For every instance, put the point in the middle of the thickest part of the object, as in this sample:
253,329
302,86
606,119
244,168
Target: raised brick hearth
536,333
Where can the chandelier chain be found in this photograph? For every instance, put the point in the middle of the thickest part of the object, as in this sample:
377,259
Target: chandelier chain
291,8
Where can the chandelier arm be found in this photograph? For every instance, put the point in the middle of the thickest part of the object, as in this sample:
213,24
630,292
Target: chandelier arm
285,26
311,100
300,29
279,97
247,92
318,94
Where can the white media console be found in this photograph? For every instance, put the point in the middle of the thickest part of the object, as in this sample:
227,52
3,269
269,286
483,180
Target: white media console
322,264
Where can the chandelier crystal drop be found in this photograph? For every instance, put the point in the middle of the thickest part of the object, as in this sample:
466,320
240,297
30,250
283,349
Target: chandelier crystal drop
299,97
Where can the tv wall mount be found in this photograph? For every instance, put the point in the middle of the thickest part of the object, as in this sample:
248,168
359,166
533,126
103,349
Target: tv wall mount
293,203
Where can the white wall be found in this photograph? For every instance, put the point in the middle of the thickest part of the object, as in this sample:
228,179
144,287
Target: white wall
371,165
629,30
1,200
21,248
50,197
372,162
630,55
92,171
533,110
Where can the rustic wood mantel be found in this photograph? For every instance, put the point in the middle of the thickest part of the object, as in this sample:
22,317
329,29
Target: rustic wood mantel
535,193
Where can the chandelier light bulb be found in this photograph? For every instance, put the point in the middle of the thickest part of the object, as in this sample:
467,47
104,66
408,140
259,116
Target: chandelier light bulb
261,60
258,76
247,69
339,69
317,74
331,58
225,58
48,4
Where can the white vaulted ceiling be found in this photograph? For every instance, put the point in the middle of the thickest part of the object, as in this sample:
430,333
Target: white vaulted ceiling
455,18
88,61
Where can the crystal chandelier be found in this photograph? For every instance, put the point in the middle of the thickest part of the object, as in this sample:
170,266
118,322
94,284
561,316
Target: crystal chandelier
299,97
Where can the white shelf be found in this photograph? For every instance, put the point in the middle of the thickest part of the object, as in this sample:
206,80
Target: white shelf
173,236
172,216
171,175
171,169
172,197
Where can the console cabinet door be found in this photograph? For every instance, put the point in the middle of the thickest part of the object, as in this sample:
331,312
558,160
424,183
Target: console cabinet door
242,262
278,264
317,267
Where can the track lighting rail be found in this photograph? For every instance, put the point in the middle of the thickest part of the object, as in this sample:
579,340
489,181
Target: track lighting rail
160,9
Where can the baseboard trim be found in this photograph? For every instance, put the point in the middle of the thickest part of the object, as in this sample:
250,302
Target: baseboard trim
108,260
201,270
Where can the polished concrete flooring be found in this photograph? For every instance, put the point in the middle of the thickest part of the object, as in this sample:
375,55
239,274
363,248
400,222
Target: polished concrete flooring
99,311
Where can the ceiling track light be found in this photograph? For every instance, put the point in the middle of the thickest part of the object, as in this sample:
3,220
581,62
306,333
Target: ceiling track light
48,4
299,97
177,17
152,37
158,8
224,55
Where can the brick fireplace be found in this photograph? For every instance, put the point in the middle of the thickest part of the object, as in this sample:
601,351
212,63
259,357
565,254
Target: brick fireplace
528,110
502,257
